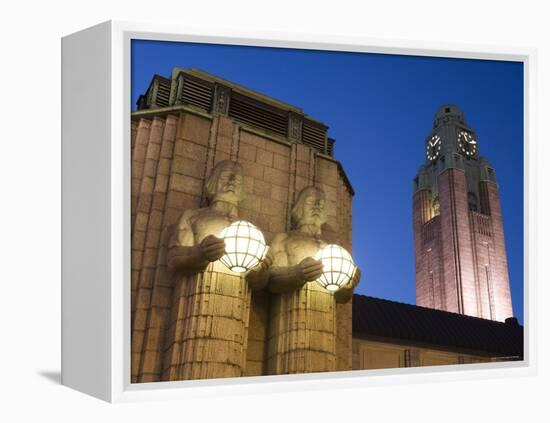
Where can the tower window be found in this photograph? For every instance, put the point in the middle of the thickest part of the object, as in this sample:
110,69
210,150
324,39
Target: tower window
435,206
447,110
472,202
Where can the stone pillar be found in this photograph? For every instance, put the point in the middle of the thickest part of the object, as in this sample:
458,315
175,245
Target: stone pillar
344,335
133,135
209,330
303,331
176,186
138,161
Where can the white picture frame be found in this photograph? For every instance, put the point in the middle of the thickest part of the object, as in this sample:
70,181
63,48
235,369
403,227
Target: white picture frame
96,214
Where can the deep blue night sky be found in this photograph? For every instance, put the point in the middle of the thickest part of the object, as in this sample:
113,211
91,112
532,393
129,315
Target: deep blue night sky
379,108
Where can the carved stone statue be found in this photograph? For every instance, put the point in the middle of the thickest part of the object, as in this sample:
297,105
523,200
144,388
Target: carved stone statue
302,334
210,324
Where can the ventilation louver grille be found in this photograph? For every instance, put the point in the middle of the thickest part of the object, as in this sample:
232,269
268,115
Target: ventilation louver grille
330,147
163,93
314,135
197,93
190,90
257,114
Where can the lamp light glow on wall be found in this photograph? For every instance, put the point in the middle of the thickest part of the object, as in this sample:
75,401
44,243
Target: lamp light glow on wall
338,267
245,246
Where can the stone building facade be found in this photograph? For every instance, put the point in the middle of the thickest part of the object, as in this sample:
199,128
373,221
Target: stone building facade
188,123
183,127
460,254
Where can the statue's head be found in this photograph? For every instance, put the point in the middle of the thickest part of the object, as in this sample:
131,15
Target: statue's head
309,208
225,183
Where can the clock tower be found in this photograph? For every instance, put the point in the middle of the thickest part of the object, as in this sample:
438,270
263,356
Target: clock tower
460,254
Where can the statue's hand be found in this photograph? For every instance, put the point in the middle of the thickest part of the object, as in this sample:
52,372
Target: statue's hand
267,261
355,278
212,248
258,277
344,294
310,269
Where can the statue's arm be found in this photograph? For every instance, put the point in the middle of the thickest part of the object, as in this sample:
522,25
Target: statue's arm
285,278
258,277
184,256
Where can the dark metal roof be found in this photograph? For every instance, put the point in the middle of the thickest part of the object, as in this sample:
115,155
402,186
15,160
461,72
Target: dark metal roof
378,318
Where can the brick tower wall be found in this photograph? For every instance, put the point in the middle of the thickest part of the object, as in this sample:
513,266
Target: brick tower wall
497,263
171,157
430,283
483,254
421,215
460,255
458,270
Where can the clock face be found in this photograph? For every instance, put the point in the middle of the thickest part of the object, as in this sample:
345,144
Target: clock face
467,143
433,147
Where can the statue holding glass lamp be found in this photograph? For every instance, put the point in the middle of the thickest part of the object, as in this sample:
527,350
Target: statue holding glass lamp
211,323
308,277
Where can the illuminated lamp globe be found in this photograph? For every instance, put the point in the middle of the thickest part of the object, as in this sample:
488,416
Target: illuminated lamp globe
338,267
245,246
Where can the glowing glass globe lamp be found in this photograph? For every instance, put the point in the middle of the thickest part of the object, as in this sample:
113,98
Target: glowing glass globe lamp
245,246
338,267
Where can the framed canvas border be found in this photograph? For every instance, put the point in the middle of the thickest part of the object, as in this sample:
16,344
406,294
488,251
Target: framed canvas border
107,374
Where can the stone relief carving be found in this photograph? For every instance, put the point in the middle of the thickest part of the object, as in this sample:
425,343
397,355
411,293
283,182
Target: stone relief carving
295,127
221,99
